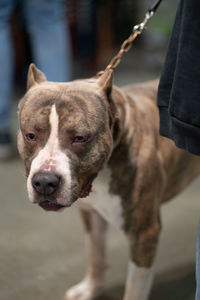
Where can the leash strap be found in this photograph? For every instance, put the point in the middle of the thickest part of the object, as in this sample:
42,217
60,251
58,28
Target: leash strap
127,44
154,6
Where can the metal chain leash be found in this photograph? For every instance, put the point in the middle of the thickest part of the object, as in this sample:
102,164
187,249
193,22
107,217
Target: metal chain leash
127,44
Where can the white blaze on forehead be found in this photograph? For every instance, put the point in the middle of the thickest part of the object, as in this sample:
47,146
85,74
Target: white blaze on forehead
54,122
51,158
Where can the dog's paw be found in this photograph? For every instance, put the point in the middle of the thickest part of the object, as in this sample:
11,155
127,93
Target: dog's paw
85,290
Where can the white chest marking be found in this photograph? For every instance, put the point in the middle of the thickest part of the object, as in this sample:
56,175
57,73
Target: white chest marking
138,283
107,205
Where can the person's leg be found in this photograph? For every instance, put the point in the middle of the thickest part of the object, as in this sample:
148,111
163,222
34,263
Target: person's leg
49,37
6,76
198,267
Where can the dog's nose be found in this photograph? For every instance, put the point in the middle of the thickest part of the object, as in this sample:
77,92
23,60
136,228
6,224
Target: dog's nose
45,183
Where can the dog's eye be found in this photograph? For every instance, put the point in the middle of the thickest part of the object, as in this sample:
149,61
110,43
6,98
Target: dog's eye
30,137
80,139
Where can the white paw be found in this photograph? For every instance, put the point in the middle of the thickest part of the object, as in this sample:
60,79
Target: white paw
85,290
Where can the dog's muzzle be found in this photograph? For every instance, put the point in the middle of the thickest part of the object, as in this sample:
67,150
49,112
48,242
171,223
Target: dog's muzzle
49,193
45,185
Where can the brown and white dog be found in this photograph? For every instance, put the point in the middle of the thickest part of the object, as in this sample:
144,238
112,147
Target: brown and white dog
87,132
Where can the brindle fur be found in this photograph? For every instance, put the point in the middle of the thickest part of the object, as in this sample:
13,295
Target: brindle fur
147,169
153,170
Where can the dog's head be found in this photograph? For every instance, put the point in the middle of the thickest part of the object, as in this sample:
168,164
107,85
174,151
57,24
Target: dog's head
65,136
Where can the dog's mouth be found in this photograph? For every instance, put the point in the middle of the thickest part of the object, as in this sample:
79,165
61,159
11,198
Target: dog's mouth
51,206
87,189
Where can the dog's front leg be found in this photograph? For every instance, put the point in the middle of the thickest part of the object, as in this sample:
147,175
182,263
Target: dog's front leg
141,269
138,283
91,285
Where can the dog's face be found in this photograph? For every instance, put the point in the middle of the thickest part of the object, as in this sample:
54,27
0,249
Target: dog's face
65,137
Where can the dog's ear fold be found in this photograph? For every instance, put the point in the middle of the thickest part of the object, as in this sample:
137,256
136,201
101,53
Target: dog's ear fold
105,81
35,76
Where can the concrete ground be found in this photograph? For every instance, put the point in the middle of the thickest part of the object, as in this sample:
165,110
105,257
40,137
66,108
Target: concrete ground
42,254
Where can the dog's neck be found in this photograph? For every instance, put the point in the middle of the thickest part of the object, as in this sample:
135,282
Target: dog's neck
125,121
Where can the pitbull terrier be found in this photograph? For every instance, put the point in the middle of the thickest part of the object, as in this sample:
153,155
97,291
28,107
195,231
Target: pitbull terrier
77,135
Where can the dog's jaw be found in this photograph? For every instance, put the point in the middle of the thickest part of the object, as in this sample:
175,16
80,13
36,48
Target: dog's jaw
87,189
51,206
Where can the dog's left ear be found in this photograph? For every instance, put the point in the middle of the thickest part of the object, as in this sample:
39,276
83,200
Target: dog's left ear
105,81
35,76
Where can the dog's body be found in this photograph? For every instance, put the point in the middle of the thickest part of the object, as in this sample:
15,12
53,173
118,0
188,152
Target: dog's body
75,134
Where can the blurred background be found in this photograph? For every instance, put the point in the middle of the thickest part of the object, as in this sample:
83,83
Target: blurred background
96,31
42,254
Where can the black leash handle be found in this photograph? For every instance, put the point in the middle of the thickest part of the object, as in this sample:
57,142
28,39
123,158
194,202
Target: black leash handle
154,6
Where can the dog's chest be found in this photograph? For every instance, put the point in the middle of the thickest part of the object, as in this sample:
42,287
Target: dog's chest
108,205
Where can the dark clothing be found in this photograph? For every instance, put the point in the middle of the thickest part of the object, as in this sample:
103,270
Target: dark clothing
179,88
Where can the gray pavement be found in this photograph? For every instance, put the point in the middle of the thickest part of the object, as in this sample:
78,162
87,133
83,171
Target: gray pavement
42,254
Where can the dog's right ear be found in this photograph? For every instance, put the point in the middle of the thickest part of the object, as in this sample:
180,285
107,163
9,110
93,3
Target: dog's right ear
105,81
35,76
